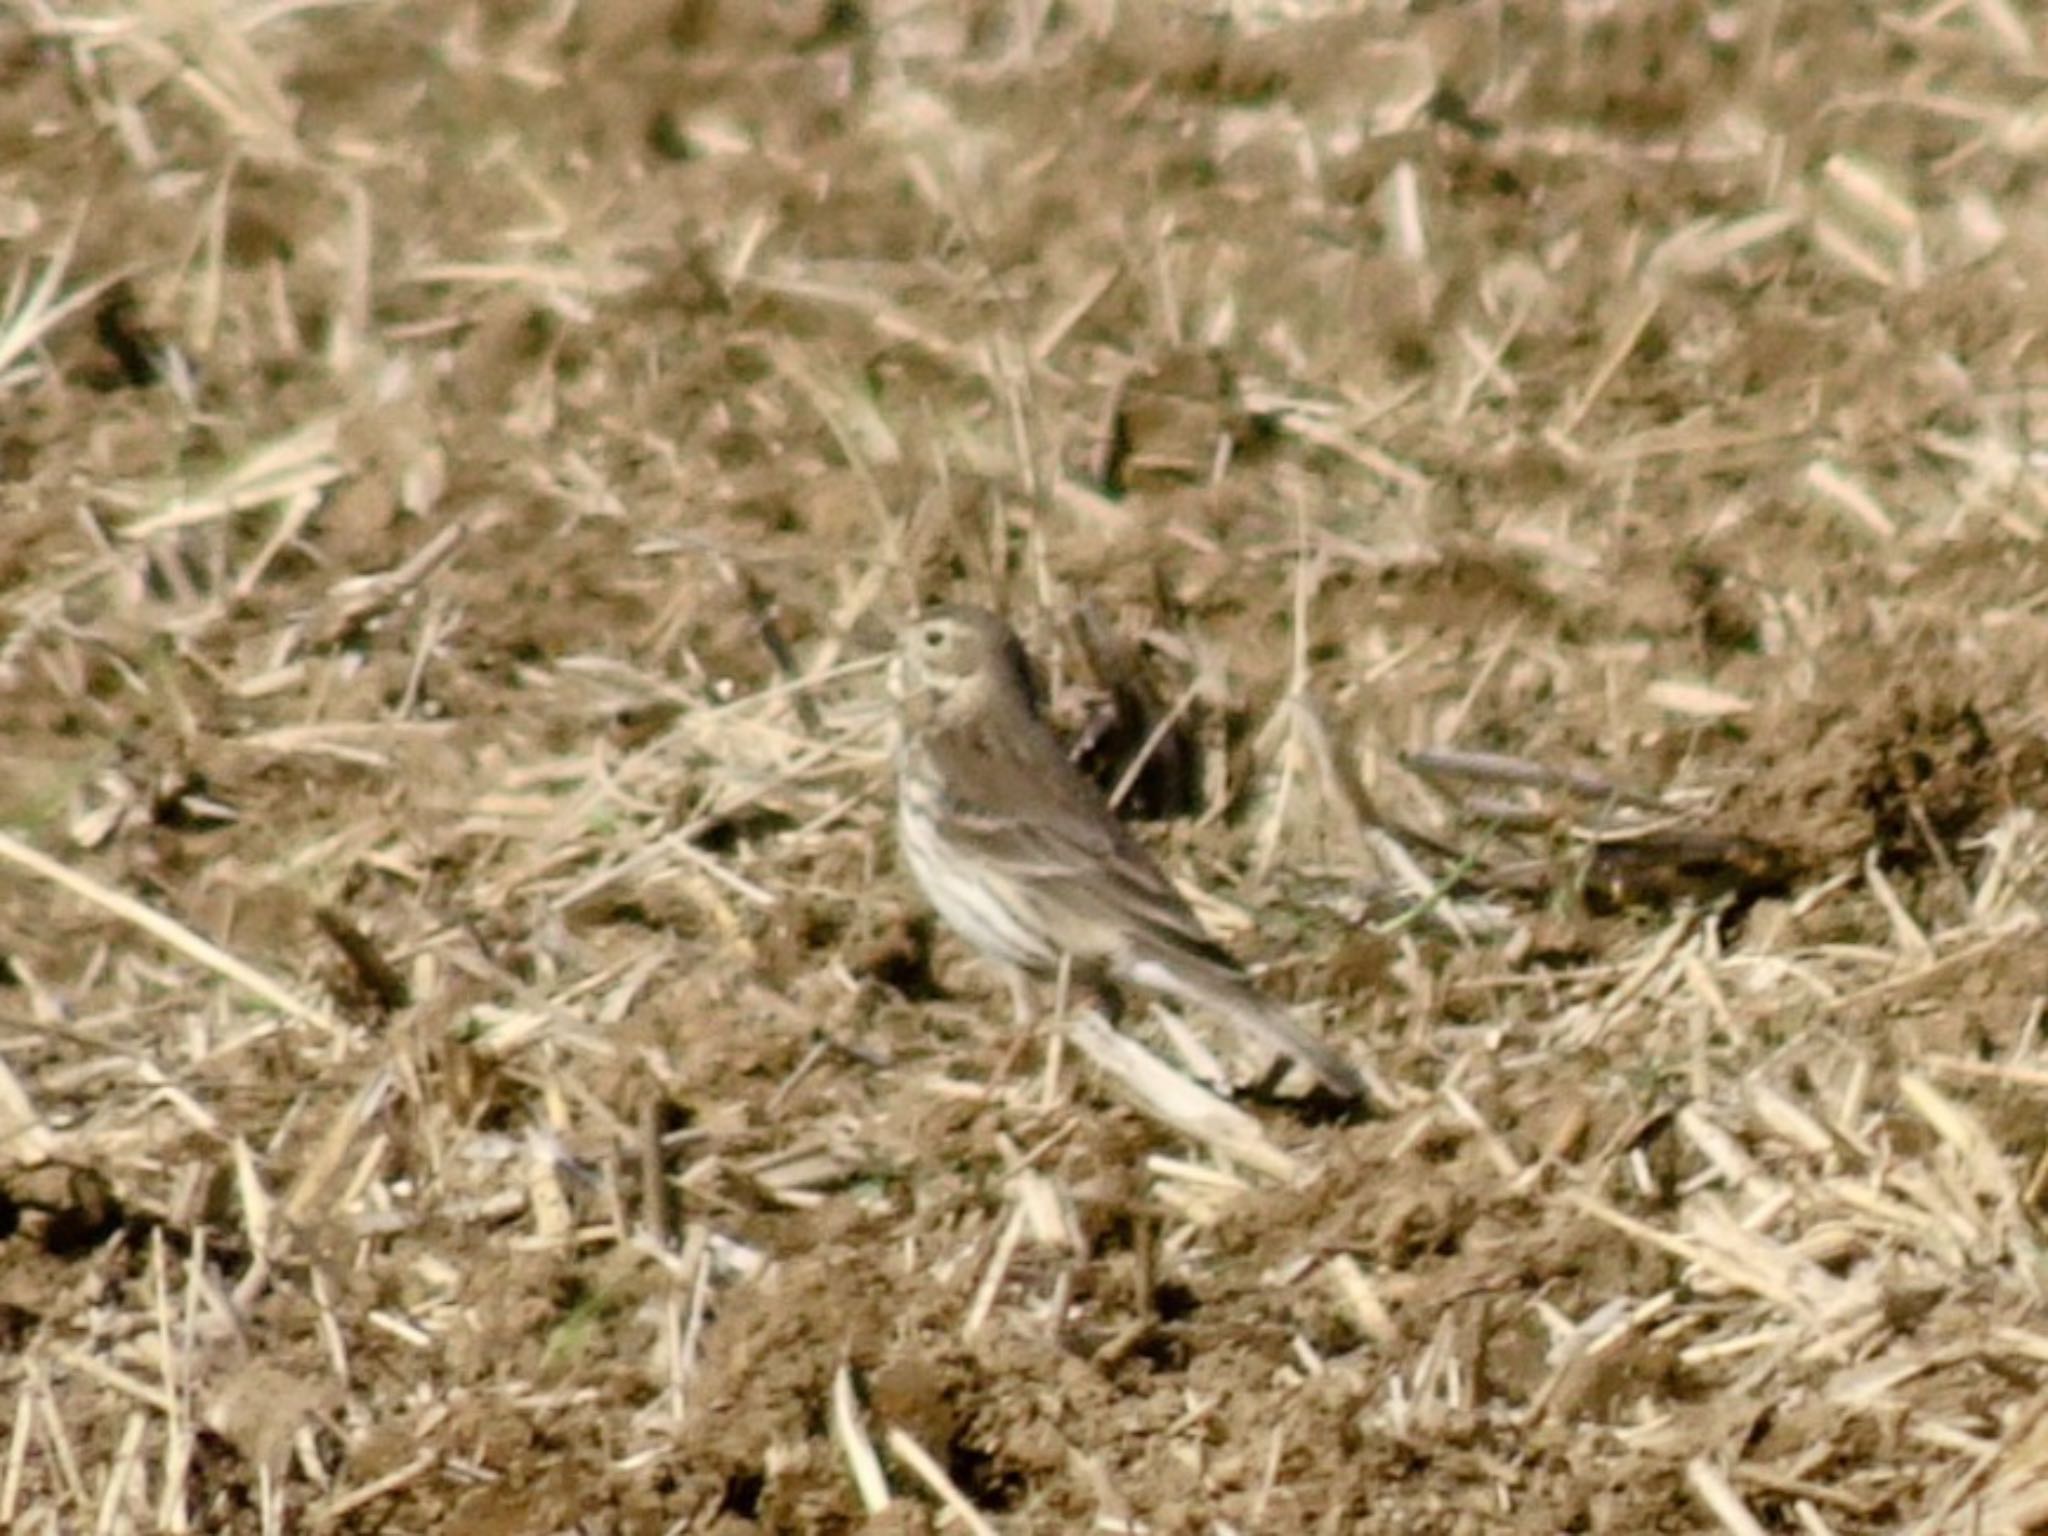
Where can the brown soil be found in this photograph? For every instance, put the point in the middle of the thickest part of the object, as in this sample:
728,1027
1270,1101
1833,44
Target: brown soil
442,554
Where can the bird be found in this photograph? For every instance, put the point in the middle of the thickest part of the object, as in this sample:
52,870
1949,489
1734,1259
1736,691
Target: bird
1020,854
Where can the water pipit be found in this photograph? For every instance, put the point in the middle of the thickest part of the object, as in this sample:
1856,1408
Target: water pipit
1024,859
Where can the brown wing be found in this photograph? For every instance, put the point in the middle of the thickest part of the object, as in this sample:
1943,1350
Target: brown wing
1017,802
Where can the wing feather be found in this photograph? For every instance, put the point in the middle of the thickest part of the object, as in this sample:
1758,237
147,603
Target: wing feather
1015,801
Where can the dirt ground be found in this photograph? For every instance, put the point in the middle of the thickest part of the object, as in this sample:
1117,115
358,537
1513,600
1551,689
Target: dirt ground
1559,487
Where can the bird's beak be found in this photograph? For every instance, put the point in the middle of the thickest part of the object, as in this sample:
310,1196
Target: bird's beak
907,680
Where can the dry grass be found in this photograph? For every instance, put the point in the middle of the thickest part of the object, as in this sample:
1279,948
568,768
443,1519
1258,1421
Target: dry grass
468,1060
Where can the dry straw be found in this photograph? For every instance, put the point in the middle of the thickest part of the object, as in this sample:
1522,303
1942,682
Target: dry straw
1568,439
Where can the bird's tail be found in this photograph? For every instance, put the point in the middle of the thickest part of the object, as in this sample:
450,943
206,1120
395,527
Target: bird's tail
1204,983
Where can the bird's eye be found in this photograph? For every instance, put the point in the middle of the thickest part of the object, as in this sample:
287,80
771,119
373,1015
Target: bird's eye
934,638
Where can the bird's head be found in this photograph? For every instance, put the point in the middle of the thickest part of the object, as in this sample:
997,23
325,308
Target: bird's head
959,658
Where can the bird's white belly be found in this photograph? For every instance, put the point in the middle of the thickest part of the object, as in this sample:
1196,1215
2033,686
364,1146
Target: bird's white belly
968,903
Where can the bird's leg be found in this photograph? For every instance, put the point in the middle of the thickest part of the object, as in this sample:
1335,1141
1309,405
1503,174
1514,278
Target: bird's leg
1056,1037
1023,1001
1024,1011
